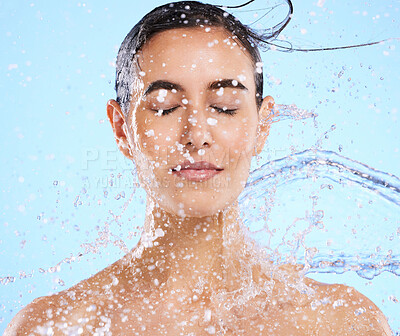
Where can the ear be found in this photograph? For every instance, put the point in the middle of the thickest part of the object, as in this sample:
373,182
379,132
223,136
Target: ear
265,115
119,126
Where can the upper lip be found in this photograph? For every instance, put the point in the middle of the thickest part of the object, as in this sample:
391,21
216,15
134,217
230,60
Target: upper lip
200,165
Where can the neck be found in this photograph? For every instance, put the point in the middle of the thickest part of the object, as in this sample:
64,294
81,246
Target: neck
189,251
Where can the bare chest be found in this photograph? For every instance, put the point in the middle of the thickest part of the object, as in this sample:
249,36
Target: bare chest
197,320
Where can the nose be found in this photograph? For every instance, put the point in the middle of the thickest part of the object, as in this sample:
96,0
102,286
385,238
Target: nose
197,132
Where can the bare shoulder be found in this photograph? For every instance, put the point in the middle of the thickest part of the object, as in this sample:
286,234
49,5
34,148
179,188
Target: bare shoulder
67,312
342,309
50,314
32,319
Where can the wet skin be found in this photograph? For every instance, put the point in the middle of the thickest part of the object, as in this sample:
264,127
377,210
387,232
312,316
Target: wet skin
167,284
130,306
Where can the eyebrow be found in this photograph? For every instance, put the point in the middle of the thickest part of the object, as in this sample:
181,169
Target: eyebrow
166,85
162,84
227,83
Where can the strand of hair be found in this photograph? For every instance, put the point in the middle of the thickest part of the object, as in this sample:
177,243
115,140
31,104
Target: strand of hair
238,6
289,49
277,29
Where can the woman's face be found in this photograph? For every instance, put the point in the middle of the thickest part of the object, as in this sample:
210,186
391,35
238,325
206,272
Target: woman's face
193,120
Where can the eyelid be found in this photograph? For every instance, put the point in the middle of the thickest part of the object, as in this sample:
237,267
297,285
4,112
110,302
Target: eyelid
224,110
216,108
166,111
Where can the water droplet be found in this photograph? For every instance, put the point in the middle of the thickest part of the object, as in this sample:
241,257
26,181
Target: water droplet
212,121
210,330
359,311
149,133
77,201
207,315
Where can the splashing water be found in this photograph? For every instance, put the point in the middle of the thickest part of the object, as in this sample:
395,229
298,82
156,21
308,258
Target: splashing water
282,112
324,178
302,208
321,178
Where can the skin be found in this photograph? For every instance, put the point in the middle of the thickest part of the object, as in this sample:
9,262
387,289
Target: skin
167,284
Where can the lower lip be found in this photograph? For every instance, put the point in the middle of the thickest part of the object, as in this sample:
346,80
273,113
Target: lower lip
197,175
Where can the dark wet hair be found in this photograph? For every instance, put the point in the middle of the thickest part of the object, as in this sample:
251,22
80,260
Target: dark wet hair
178,15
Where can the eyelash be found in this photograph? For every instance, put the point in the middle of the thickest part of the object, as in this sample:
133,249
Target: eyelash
165,112
219,110
226,111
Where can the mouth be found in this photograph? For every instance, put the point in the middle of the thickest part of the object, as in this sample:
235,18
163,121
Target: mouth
196,171
200,165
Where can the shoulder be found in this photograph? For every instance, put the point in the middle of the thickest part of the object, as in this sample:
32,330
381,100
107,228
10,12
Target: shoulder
36,318
58,312
73,309
342,309
63,313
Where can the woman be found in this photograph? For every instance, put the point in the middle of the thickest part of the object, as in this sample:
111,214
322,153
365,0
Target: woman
190,114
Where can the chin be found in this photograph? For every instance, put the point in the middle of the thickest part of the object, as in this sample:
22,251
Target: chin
201,206
198,203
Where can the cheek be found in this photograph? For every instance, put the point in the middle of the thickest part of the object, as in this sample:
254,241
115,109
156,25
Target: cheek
157,137
238,137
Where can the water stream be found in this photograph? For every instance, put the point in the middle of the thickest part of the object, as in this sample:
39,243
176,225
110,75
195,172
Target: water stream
368,250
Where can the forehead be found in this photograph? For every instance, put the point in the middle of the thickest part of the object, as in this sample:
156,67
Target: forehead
196,53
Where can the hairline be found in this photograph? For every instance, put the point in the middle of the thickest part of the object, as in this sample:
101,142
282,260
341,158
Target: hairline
136,65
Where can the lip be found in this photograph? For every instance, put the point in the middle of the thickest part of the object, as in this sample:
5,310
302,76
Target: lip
197,171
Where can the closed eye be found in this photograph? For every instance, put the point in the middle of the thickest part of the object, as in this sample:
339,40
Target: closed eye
224,110
165,111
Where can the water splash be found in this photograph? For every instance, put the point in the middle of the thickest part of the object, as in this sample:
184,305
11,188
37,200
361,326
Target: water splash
302,165
291,111
338,238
